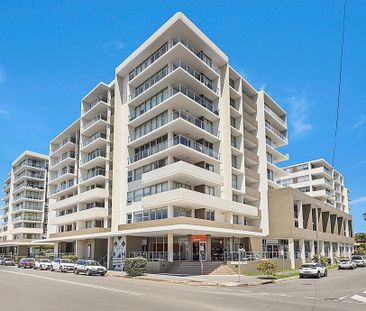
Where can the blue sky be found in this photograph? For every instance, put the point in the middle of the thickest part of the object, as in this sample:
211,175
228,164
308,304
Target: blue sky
53,52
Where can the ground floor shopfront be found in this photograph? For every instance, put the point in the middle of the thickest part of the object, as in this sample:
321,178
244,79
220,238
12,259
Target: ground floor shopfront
300,251
25,250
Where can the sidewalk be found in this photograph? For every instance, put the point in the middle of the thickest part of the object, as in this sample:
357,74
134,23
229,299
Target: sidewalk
199,280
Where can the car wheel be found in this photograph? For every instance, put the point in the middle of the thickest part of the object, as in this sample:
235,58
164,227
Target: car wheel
88,272
318,275
301,276
76,271
52,268
62,269
103,274
326,273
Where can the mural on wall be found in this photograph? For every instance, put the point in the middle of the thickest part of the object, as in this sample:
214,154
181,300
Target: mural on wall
119,252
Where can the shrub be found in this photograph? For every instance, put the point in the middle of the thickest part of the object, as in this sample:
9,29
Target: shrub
135,266
70,257
267,267
323,260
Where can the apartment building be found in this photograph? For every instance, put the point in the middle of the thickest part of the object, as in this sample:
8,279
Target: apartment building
172,160
302,226
24,211
319,180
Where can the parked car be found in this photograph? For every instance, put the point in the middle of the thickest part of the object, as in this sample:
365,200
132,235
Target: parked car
62,265
347,264
9,262
89,267
313,270
26,263
359,260
43,264
2,260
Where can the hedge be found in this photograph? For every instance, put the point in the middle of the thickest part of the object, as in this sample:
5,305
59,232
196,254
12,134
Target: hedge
135,266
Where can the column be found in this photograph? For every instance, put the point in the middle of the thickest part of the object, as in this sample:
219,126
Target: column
338,252
55,249
321,248
170,247
291,253
300,214
170,210
331,253
302,251
312,249
109,253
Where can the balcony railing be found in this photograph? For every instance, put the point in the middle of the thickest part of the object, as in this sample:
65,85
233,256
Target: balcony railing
100,98
27,174
28,186
63,187
165,48
275,115
93,138
28,196
179,139
277,132
95,154
69,170
30,163
171,117
69,154
171,92
98,117
28,218
63,143
167,70
94,173
27,207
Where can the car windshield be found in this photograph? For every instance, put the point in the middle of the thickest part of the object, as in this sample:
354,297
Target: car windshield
66,261
344,260
308,266
356,257
92,263
45,260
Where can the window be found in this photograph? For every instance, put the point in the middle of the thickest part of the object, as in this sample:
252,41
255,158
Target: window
129,218
210,190
234,181
304,189
270,175
234,161
296,215
210,215
302,178
182,212
269,157
235,219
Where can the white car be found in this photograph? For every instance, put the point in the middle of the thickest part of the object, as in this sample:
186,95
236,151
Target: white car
43,264
89,267
359,260
347,264
313,270
63,265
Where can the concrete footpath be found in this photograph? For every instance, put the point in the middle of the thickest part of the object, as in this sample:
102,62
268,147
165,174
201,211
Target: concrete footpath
200,280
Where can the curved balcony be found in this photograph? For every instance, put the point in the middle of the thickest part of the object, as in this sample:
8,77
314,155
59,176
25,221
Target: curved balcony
176,141
98,123
63,175
63,146
68,158
97,175
27,207
99,100
96,141
96,158
200,129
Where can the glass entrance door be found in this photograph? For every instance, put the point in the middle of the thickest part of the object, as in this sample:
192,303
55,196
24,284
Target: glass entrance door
199,248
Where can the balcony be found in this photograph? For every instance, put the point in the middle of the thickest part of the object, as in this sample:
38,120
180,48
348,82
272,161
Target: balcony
27,218
27,186
194,199
98,123
31,164
164,49
96,158
68,158
62,188
83,215
27,207
275,116
277,133
182,172
169,69
62,175
177,140
170,118
60,147
99,99
29,175
28,197
162,101
96,141
97,174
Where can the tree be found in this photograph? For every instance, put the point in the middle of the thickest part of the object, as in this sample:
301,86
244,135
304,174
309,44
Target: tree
322,259
360,237
267,267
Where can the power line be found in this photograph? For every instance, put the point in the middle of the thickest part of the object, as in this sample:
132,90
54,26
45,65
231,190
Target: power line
339,82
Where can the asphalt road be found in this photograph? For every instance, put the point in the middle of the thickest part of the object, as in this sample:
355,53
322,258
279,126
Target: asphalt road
30,290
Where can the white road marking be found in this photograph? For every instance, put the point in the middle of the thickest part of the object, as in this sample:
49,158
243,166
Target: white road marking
308,297
359,298
111,289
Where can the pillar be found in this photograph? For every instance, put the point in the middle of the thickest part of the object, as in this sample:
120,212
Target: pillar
302,251
55,249
312,249
300,214
321,248
291,252
170,247
331,253
110,253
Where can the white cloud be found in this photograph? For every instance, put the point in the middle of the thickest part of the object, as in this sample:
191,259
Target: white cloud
361,120
2,76
115,45
298,116
359,200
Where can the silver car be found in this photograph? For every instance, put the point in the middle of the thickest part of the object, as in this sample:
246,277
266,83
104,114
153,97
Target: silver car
346,264
313,270
359,260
